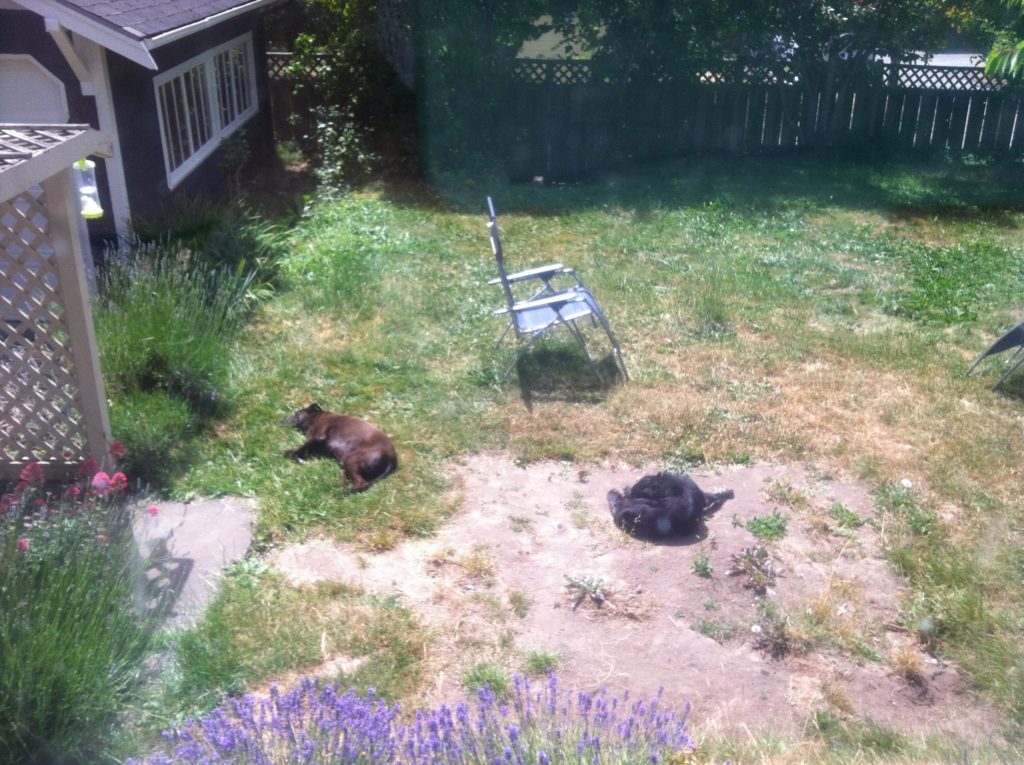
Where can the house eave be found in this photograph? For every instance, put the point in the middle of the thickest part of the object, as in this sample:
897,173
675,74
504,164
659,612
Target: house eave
112,38
127,42
172,35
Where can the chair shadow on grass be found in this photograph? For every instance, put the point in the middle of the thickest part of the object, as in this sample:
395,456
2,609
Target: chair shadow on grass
561,372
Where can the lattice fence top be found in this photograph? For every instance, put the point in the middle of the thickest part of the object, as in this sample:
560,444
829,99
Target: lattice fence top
20,143
910,76
29,154
922,77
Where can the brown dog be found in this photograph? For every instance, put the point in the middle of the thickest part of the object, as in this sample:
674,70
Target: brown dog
364,453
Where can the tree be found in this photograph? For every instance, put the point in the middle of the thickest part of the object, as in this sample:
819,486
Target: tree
1006,59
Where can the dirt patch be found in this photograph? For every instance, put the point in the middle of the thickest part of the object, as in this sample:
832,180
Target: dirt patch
752,633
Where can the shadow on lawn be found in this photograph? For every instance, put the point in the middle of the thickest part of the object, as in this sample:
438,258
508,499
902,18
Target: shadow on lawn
563,373
965,190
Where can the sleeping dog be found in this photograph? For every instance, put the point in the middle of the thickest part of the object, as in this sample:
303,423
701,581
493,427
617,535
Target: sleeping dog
364,453
662,505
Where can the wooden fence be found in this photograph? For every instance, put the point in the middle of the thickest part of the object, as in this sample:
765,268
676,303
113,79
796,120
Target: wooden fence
567,119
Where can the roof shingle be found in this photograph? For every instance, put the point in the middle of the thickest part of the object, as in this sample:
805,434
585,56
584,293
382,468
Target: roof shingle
148,18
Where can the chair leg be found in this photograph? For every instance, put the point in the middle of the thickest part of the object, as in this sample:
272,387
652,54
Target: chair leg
1014,364
616,351
529,344
586,350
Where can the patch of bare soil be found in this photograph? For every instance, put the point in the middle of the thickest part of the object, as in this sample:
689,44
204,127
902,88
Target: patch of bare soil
750,633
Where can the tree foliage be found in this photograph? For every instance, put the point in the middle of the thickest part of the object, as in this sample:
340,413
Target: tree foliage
1006,59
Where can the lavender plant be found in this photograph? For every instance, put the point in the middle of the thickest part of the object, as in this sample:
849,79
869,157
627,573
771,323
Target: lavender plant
72,643
314,723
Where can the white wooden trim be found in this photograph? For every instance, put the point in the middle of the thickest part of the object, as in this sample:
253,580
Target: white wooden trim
95,58
63,42
220,132
54,79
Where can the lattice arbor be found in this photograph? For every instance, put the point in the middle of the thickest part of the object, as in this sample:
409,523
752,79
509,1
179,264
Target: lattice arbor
52,407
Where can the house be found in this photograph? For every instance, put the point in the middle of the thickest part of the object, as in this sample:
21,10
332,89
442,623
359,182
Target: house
167,80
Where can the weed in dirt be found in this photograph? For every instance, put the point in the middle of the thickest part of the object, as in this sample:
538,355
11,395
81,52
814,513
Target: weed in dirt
903,503
768,528
520,523
757,567
702,564
541,663
785,492
585,586
775,633
487,675
717,630
478,564
844,517
519,603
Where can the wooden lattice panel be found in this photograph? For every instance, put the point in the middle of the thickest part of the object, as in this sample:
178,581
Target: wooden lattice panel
959,78
40,406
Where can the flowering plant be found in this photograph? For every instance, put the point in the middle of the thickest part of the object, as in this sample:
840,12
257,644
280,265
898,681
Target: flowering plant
73,639
314,723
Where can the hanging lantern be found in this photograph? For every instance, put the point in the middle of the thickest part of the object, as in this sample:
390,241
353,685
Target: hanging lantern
88,195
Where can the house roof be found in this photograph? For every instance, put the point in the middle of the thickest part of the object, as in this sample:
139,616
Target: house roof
29,154
134,27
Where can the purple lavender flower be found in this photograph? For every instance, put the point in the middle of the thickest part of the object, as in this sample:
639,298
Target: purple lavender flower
314,723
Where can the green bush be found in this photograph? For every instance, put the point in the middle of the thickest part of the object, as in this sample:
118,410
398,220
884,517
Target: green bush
166,322
72,643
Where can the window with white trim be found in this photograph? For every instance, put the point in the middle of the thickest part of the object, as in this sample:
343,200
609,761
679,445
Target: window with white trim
202,101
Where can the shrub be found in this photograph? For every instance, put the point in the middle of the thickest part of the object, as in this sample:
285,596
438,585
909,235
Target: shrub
71,640
313,723
165,322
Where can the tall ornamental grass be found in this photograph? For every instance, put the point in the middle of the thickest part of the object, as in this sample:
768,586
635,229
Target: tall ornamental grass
72,643
537,725
166,323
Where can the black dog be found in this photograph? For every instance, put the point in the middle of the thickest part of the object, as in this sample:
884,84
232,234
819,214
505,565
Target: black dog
364,453
662,505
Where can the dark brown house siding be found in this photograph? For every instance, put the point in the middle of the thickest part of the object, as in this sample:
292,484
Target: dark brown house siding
139,128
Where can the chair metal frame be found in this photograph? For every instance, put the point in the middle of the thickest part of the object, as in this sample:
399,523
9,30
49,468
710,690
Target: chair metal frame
548,306
1013,338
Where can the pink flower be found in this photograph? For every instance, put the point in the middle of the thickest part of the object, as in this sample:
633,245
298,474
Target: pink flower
100,482
153,510
72,492
23,544
32,474
118,481
118,450
102,539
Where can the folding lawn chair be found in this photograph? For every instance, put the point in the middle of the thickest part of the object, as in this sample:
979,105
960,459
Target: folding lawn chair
1014,338
548,306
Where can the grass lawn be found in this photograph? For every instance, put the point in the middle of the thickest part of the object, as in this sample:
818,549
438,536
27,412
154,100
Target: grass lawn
790,310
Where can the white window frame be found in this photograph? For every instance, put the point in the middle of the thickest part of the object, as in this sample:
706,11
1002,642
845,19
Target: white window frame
205,62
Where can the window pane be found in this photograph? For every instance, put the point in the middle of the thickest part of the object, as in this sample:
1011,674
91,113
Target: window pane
185,111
